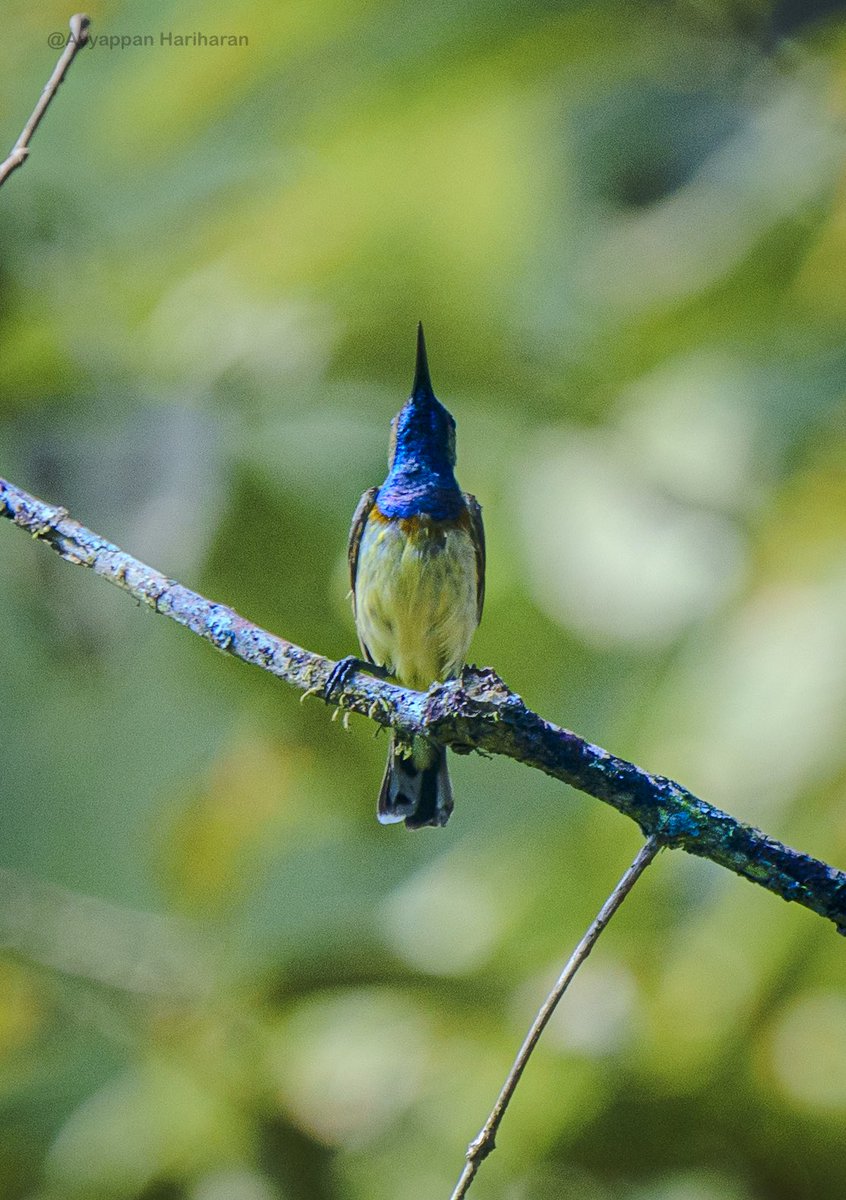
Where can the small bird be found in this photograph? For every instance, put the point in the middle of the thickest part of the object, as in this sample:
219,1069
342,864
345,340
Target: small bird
417,571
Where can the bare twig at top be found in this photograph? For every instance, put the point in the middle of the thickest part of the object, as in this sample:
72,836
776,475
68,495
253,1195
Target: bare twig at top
76,40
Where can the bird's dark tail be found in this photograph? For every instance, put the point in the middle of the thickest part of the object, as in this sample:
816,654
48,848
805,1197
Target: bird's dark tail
416,787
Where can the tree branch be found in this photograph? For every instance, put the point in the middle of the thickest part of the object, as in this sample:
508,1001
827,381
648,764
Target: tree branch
475,712
78,37
485,1141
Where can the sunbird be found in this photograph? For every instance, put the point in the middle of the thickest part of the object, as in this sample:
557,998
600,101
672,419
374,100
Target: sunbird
417,572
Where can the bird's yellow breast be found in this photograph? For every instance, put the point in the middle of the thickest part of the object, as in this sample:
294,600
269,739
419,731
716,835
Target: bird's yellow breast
415,597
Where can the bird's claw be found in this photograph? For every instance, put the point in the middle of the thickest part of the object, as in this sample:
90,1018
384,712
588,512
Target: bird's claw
340,673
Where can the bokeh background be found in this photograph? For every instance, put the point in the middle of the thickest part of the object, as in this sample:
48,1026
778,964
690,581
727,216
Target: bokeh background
624,227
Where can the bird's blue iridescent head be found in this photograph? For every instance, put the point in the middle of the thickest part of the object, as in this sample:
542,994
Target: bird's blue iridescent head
422,453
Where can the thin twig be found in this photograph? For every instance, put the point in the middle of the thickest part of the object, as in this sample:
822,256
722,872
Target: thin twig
475,712
77,39
485,1142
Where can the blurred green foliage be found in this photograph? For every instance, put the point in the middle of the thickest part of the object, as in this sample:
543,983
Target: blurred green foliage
624,227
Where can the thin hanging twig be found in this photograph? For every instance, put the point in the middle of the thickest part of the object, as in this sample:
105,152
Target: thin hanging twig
77,39
485,1141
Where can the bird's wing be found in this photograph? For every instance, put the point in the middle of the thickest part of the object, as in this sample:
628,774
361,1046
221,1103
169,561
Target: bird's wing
359,520
477,529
